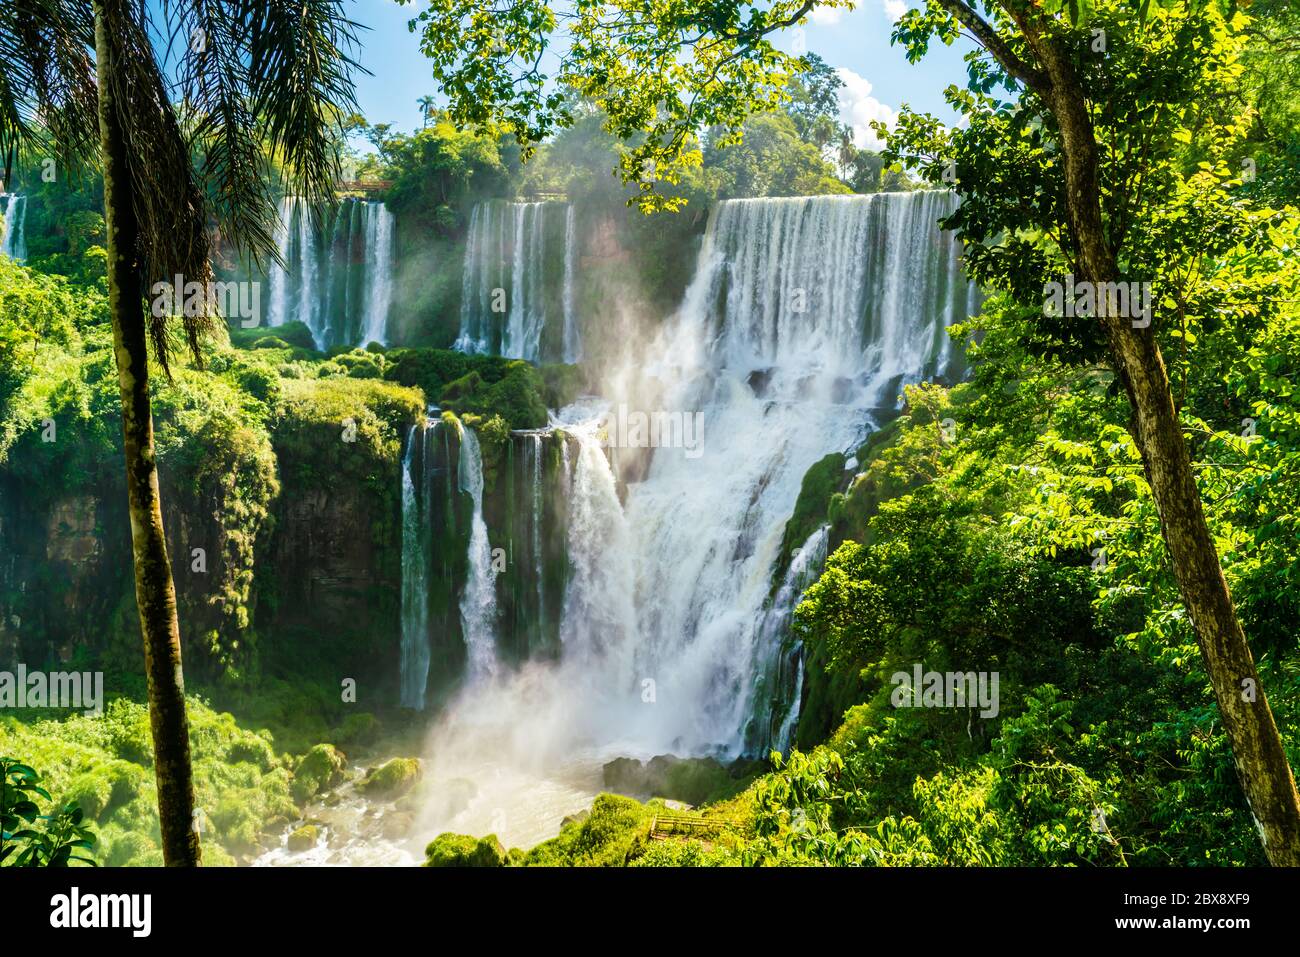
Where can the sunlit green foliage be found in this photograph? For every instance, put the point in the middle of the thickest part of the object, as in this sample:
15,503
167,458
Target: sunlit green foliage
105,763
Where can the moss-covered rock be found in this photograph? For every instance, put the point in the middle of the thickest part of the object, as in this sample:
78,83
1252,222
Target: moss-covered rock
468,384
304,838
320,769
692,780
569,820
615,832
819,483
294,335
461,850
482,385
362,363
850,511
392,778
333,568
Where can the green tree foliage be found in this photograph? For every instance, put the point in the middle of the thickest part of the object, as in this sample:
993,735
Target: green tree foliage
438,171
1270,158
63,837
103,766
638,63
770,160
1005,525
814,103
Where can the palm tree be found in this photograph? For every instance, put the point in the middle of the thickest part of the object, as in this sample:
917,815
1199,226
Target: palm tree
427,105
847,152
185,104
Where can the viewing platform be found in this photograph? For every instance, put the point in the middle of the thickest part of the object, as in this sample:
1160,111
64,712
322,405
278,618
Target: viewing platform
363,186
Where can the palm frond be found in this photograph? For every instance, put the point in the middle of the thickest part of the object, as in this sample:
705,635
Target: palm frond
47,84
210,95
230,158
300,72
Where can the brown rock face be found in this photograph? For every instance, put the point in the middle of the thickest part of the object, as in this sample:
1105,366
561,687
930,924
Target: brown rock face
70,534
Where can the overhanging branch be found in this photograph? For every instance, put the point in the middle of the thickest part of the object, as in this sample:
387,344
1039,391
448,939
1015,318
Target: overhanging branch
988,38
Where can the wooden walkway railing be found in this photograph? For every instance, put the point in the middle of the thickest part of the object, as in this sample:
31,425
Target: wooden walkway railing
367,186
666,825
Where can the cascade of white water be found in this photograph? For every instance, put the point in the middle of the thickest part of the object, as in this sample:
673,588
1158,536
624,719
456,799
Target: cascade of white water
416,511
572,334
803,315
920,277
379,272
790,337
13,240
527,316
598,623
473,334
278,276
478,605
536,446
306,311
505,284
804,568
566,466
315,286
512,340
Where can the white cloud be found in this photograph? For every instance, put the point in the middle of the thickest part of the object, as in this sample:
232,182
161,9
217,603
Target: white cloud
858,108
827,16
895,9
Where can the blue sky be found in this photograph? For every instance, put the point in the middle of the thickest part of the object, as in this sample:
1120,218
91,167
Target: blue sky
878,78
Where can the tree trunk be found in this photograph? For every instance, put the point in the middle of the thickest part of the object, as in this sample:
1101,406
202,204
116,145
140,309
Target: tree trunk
155,594
1262,767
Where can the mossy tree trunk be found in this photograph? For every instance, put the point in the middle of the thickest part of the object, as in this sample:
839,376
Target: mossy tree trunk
155,592
1260,758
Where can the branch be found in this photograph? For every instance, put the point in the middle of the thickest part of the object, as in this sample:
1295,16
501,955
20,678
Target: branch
987,37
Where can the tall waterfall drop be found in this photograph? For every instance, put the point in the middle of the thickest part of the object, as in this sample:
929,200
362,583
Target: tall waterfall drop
572,333
339,276
804,316
478,607
537,496
417,531
13,242
508,295
598,627
379,272
776,698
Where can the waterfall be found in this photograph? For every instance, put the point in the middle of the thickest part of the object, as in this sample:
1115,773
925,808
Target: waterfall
527,309
306,310
416,534
507,297
803,317
278,276
337,273
474,283
13,242
478,607
379,272
792,339
598,623
779,662
572,334
535,447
